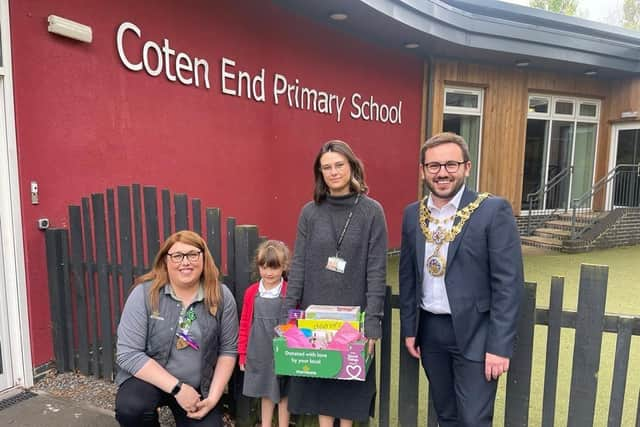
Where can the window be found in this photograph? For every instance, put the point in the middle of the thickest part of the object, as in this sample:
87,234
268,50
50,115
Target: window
463,116
563,107
539,104
588,110
560,145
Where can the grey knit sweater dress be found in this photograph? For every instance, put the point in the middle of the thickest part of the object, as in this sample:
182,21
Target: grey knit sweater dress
364,248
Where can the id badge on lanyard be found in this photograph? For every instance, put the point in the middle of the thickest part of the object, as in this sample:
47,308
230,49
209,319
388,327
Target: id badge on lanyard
336,263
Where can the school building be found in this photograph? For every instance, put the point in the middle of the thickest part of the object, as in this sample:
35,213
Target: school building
229,102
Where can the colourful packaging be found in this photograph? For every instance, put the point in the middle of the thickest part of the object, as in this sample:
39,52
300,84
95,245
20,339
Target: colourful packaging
337,312
351,364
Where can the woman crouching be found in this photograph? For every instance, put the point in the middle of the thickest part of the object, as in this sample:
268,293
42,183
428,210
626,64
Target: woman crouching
177,339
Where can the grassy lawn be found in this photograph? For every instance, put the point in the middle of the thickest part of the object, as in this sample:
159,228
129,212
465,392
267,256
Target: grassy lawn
623,296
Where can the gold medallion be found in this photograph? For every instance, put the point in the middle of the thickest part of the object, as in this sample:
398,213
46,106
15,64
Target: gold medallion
436,265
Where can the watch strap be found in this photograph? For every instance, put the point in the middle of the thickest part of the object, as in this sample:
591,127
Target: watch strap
176,388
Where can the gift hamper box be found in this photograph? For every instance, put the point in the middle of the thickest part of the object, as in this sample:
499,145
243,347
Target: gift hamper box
322,342
351,364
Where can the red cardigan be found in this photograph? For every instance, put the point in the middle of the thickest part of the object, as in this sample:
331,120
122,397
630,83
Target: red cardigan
246,318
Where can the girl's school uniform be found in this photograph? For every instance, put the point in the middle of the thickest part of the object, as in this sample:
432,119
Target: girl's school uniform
260,315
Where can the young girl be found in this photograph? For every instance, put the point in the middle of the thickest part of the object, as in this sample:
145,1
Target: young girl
260,315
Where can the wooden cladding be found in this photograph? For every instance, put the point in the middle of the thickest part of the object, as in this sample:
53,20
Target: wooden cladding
506,91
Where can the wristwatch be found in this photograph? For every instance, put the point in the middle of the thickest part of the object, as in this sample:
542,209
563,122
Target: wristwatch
176,388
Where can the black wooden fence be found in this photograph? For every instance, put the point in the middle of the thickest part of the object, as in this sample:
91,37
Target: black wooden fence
91,267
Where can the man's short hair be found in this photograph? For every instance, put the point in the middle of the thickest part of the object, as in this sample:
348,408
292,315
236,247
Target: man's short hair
445,138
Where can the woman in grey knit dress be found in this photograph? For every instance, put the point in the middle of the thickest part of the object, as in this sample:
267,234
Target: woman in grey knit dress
339,259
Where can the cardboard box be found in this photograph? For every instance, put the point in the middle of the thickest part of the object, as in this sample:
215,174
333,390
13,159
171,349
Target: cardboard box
337,312
352,364
329,324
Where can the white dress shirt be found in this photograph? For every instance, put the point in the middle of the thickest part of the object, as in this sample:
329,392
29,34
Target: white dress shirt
434,291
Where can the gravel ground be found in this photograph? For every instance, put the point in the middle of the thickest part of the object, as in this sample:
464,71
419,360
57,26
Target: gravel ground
95,392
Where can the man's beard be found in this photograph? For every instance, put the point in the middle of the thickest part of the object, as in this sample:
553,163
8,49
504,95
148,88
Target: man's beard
450,193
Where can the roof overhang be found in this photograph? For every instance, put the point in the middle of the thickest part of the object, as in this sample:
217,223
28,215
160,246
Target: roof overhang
485,31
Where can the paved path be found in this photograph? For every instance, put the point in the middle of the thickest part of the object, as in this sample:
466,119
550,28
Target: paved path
44,410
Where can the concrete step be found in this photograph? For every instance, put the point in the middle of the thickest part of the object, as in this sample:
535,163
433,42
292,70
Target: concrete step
553,233
582,216
542,242
558,224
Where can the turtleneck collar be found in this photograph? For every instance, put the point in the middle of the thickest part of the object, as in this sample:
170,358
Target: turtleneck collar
346,200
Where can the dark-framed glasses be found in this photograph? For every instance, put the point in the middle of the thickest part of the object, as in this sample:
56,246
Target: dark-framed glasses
178,257
450,166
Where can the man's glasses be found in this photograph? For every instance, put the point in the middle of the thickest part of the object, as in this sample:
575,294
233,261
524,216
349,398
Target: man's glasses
177,257
451,166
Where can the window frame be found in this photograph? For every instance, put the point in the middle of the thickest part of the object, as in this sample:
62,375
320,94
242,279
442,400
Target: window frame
536,115
585,101
468,111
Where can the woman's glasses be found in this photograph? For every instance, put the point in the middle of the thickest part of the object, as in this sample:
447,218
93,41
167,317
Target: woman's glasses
178,257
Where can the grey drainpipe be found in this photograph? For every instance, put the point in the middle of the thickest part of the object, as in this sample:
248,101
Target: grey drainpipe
427,111
429,106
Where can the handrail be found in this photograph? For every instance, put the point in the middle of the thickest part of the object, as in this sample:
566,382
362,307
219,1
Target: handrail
557,180
586,199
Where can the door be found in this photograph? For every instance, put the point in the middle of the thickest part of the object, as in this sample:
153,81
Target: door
548,151
626,185
6,370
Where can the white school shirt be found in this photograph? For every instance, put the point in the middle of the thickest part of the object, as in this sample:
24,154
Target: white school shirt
434,291
269,293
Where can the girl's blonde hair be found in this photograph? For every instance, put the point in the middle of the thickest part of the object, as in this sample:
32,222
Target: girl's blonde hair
160,277
273,254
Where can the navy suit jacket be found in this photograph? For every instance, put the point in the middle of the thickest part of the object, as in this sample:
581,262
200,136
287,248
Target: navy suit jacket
483,279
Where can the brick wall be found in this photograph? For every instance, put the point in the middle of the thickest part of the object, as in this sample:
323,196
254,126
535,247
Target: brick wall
536,222
625,232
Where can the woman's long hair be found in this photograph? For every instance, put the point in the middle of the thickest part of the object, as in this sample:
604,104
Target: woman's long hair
159,276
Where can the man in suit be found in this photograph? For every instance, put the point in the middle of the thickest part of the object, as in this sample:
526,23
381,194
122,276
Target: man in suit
461,278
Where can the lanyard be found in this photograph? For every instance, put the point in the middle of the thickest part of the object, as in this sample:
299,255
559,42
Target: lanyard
346,225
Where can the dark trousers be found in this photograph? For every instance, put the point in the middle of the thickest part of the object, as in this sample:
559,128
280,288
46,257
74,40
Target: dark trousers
461,394
137,404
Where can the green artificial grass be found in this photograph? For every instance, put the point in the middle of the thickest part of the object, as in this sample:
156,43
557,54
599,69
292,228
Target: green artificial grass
623,297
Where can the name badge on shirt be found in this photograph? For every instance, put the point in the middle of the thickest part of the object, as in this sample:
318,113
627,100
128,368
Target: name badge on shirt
336,264
156,315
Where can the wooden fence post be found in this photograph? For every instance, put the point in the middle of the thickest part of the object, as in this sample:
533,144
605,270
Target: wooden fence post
246,241
553,352
104,291
621,363
519,376
588,341
151,222
230,279
126,239
78,271
92,301
408,398
385,362
214,236
181,211
60,297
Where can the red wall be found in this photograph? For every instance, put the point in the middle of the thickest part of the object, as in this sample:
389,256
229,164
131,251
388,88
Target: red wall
86,123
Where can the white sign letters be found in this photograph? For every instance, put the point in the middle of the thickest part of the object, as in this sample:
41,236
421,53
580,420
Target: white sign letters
156,59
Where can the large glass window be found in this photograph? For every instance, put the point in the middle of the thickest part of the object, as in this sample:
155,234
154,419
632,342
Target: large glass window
463,116
560,150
